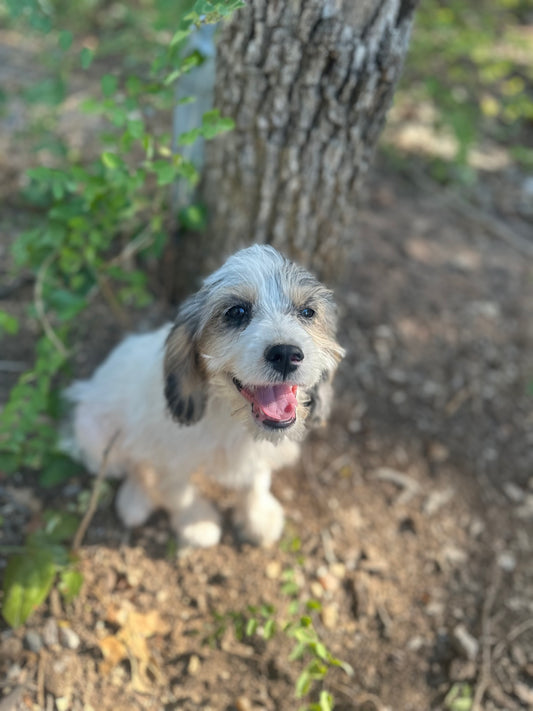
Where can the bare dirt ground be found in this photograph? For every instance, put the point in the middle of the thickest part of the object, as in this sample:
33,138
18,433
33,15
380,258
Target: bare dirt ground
413,509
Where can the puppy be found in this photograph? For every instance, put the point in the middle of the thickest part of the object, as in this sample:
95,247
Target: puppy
229,388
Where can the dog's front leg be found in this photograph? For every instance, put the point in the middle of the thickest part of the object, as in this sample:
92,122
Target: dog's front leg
259,516
194,519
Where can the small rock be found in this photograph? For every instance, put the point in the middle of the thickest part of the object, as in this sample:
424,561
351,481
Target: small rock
194,665
454,555
34,641
476,528
50,632
465,642
415,644
513,492
317,590
69,638
10,646
436,500
62,703
14,672
435,609
329,616
273,570
243,704
329,582
507,561
338,570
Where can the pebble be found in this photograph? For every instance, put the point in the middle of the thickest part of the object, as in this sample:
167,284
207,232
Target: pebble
338,570
416,643
10,646
243,704
465,642
436,500
329,616
507,561
273,570
194,665
513,492
317,590
34,641
329,582
50,632
69,638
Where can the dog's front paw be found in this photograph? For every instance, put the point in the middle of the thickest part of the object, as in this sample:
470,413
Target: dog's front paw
198,525
133,504
260,519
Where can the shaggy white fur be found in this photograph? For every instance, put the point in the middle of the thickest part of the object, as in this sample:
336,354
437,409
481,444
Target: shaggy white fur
229,388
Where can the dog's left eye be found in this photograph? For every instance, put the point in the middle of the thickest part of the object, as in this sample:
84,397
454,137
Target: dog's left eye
307,312
238,315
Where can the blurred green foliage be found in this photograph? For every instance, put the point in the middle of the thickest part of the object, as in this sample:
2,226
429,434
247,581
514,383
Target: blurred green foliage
473,62
94,210
99,217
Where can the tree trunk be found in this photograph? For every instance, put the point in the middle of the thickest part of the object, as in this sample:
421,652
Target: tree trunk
308,83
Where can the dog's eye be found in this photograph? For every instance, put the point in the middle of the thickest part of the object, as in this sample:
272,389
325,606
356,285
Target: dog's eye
238,315
307,313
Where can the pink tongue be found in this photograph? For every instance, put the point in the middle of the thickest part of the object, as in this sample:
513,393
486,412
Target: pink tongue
276,402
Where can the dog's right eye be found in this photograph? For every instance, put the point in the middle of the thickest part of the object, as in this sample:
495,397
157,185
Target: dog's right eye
238,315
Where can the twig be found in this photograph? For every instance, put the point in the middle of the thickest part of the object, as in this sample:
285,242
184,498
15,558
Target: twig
140,241
486,657
403,481
39,306
93,501
109,295
40,678
513,634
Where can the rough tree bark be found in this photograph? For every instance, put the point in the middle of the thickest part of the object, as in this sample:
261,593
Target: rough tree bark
308,83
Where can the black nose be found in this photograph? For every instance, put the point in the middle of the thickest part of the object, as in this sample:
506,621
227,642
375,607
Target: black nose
284,358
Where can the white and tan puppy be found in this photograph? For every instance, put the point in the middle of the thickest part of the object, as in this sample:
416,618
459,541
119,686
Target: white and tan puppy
229,388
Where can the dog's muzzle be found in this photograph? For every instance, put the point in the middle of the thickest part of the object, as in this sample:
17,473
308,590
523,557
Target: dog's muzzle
273,405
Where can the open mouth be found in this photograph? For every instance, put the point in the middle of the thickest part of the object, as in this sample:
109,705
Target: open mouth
273,405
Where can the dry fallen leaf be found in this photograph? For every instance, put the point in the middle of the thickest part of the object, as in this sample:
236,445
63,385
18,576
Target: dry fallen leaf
130,642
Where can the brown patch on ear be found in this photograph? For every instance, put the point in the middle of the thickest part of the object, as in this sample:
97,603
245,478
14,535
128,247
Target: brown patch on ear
185,379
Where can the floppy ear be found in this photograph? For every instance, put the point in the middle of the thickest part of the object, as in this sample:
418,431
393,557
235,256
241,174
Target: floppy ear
185,378
318,402
320,396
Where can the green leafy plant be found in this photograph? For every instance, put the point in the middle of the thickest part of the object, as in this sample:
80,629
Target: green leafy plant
459,698
33,568
96,218
310,651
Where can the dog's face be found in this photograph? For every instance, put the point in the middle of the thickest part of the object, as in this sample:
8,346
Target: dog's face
260,333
